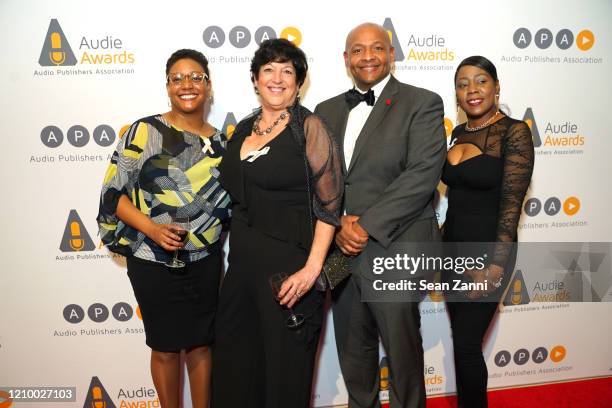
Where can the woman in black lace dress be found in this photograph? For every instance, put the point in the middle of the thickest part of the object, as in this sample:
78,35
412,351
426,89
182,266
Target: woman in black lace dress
282,170
488,170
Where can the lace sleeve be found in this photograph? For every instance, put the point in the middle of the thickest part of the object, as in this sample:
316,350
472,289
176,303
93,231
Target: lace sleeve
326,171
518,156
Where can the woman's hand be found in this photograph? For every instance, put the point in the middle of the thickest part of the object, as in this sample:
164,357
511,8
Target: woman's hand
165,235
492,275
296,285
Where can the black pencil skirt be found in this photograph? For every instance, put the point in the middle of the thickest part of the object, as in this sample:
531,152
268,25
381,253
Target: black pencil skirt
177,305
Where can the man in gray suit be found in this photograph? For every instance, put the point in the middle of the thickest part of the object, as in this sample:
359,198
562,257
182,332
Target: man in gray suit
394,147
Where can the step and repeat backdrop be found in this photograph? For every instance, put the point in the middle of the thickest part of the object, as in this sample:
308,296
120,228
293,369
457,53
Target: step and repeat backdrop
74,74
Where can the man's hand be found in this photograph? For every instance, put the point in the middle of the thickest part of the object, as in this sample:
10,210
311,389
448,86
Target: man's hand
351,238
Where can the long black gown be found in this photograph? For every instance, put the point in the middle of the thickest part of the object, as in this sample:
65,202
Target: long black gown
257,360
485,196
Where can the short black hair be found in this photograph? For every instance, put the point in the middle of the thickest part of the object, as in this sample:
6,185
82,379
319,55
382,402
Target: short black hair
480,62
280,50
185,53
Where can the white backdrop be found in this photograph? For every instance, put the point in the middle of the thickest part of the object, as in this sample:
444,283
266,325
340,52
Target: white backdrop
68,313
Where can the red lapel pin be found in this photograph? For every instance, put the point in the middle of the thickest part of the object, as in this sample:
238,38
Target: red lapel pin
388,102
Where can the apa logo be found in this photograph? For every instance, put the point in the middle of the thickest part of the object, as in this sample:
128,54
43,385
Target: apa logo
97,397
56,50
99,313
229,125
529,118
517,292
75,236
399,53
543,39
538,356
78,136
552,206
240,36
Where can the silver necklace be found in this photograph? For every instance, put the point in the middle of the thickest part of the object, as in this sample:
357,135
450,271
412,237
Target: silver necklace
484,125
267,130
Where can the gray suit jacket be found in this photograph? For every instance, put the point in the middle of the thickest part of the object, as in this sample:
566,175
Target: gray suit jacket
396,164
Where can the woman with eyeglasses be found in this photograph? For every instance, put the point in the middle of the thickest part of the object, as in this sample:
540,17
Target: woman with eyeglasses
162,208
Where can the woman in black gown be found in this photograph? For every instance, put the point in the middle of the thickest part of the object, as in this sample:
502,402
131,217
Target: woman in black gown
282,170
488,171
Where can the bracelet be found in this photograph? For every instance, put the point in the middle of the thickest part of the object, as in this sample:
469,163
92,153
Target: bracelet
496,284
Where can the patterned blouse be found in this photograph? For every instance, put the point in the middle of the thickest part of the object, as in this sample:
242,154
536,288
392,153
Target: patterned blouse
165,172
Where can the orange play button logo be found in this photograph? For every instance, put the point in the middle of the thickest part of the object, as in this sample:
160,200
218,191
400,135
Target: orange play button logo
571,206
557,354
292,34
585,40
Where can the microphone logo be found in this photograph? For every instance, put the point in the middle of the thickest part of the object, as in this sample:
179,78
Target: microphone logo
56,50
76,238
97,396
76,243
517,291
57,57
97,399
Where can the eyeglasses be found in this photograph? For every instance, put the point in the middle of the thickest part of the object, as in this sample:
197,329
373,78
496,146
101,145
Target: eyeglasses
195,77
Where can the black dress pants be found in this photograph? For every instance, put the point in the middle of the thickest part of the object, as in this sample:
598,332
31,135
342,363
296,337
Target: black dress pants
357,326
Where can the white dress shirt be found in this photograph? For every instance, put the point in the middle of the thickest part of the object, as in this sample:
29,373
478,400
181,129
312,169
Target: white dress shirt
357,118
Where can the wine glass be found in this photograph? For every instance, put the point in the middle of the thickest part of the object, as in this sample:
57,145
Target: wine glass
184,225
295,320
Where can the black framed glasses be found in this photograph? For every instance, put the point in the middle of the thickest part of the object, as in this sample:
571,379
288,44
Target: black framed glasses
177,78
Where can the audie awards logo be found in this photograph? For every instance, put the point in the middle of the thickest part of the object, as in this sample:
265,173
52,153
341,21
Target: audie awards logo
56,50
429,51
96,55
555,138
97,397
75,236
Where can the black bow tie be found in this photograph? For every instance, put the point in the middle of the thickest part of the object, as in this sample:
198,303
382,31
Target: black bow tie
354,98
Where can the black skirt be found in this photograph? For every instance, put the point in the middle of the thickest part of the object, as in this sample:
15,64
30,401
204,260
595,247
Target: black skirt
177,305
